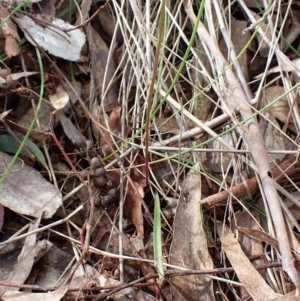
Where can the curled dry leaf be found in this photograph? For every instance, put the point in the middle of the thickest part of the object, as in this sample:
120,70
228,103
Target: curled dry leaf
25,191
60,38
60,98
10,33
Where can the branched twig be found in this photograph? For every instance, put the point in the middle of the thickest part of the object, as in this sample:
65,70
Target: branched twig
240,190
255,143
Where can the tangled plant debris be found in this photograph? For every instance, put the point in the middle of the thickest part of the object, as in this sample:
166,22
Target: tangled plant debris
149,150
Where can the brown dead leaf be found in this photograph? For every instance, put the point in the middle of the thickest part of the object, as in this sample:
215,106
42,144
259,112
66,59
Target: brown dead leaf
44,119
133,207
100,62
10,33
239,41
84,13
252,246
280,109
36,135
69,129
189,245
254,284
146,270
264,48
108,23
115,123
44,7
166,125
292,296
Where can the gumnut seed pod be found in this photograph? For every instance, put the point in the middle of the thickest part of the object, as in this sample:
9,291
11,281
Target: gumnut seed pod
95,163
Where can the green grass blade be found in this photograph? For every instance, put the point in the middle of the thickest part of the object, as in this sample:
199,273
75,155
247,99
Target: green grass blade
157,245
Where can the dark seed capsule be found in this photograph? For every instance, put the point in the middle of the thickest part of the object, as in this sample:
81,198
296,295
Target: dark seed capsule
113,193
89,145
92,153
107,201
100,171
80,143
82,153
97,201
84,174
95,163
99,181
106,150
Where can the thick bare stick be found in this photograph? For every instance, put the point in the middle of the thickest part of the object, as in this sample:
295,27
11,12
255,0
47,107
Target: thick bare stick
255,143
240,190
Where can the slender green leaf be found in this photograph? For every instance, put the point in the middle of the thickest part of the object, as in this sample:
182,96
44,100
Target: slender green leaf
157,245
9,145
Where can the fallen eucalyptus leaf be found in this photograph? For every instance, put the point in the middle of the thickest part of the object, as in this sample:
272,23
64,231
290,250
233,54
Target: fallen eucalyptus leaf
25,191
60,39
254,284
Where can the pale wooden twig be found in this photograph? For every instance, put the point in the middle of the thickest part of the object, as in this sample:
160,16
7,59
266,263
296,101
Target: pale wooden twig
255,143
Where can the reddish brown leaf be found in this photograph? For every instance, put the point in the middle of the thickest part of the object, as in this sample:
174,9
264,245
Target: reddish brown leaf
133,207
10,33
146,270
115,123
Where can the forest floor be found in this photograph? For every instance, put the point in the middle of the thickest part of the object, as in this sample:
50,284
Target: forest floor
149,150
